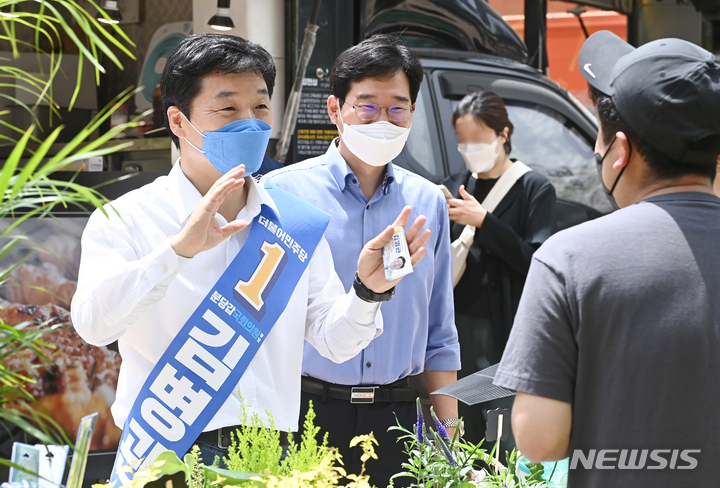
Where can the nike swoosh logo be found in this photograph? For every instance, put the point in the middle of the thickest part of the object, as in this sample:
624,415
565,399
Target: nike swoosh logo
587,70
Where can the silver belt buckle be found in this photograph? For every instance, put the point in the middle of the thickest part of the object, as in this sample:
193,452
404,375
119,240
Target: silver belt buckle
362,394
220,437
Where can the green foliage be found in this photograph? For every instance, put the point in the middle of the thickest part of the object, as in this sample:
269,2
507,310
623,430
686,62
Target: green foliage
145,474
437,462
366,442
429,466
309,464
194,461
215,477
536,473
501,476
46,19
254,448
167,462
14,377
27,188
324,475
309,453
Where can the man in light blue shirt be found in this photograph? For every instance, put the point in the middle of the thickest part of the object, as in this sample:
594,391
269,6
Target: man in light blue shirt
375,86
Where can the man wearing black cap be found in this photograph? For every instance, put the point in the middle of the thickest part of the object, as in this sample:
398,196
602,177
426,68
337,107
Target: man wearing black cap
615,350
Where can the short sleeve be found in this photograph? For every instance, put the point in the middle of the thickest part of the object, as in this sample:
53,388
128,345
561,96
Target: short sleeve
541,354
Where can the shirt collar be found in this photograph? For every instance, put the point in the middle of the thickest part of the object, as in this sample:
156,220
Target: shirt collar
261,196
343,174
186,196
389,179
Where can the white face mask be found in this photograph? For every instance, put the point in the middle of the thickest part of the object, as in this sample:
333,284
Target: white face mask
377,143
479,157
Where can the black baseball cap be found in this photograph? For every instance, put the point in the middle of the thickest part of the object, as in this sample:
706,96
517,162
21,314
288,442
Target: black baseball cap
667,91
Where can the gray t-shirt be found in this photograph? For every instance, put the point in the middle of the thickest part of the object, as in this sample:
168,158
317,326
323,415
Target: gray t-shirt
620,317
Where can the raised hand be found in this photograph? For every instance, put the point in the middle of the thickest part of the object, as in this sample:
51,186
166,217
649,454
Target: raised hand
370,262
202,231
467,211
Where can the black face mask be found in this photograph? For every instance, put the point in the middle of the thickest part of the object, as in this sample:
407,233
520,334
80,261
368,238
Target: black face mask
599,160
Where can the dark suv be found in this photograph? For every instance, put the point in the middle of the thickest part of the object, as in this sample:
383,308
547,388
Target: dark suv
554,134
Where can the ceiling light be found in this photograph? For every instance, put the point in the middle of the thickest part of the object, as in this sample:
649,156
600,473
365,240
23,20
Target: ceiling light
10,11
222,21
111,9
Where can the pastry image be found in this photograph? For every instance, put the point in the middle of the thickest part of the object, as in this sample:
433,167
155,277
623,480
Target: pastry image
40,284
82,379
63,251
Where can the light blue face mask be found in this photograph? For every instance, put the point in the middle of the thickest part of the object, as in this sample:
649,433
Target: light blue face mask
239,142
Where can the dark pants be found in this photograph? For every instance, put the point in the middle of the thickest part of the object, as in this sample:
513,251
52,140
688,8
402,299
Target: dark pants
209,451
344,420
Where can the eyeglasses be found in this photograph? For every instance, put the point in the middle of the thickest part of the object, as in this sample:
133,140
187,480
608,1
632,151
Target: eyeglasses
371,111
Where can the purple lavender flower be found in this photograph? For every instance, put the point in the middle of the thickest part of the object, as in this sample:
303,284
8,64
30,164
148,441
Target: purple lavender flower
446,450
441,447
440,427
420,425
443,439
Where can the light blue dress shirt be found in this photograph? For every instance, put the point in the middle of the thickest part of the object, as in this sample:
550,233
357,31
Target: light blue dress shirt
419,330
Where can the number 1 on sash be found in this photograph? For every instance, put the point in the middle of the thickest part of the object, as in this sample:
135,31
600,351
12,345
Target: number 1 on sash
253,289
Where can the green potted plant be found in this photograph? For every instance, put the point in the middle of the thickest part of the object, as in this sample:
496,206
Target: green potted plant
256,459
26,178
436,460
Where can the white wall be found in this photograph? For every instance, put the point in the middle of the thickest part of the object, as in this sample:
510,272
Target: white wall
260,21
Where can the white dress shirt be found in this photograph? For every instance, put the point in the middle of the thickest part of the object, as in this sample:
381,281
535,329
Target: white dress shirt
133,288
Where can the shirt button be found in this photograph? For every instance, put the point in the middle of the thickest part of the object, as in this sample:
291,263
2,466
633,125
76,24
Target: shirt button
354,180
368,364
164,268
368,207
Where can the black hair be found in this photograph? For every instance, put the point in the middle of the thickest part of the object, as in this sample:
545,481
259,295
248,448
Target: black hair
662,167
488,108
380,56
201,54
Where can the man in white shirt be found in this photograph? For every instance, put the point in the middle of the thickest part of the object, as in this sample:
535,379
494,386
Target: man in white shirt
148,264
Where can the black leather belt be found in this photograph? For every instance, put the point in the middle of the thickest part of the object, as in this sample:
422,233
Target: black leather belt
221,437
394,392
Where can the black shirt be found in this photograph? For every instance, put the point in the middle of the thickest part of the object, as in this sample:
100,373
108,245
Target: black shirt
471,292
503,246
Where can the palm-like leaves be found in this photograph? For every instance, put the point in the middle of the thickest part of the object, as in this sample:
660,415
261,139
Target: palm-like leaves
51,18
27,187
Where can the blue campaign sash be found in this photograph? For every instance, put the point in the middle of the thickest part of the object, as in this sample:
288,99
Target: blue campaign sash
206,359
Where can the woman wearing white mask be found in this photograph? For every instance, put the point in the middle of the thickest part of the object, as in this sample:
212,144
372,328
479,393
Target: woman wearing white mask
516,216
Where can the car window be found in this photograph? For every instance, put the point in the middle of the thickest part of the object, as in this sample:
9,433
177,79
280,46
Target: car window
422,153
552,135
549,143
